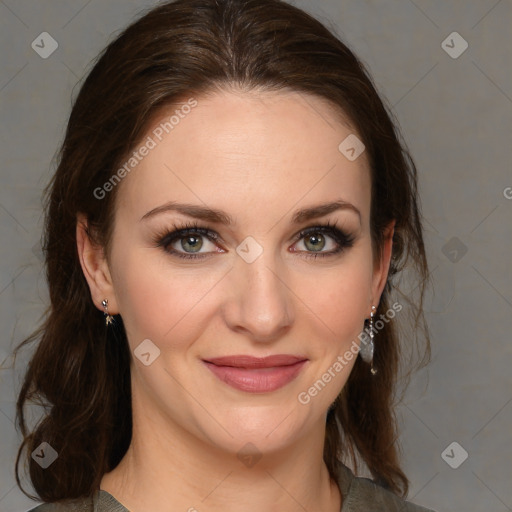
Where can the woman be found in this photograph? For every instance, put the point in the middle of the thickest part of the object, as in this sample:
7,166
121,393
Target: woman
230,208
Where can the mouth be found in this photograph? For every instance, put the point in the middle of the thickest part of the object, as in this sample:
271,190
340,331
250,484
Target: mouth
256,374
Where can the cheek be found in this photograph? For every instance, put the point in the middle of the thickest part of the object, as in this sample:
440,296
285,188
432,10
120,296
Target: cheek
339,297
157,301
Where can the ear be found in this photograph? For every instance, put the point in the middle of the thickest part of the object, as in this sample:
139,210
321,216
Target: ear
381,267
95,267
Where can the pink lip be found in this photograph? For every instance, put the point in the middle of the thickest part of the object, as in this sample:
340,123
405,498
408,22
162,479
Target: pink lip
256,374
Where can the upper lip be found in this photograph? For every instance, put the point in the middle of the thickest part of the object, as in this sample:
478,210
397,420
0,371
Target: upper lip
245,361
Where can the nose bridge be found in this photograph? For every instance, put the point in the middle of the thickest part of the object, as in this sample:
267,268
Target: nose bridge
262,299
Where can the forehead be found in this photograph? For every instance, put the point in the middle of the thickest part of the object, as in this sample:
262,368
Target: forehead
236,150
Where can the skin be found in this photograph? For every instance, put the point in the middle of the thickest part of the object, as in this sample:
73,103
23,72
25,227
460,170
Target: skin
259,156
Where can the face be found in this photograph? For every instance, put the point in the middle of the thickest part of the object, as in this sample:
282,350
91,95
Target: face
250,310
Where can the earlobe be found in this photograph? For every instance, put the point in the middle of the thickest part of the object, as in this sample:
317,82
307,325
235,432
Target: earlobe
95,267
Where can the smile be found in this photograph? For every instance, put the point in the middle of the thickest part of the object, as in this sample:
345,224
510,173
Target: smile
256,374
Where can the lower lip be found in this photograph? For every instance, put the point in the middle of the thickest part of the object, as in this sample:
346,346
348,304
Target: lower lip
256,380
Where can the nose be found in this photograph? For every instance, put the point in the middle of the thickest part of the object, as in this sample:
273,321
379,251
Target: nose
260,305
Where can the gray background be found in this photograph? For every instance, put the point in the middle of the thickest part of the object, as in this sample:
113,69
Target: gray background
456,117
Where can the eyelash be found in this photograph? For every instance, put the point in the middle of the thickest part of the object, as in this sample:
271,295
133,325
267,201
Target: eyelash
164,240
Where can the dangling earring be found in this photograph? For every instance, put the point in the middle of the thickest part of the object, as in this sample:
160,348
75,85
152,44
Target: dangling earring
367,345
108,318
372,369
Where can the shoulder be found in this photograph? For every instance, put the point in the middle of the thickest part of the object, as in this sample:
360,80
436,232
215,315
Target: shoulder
78,505
100,501
362,494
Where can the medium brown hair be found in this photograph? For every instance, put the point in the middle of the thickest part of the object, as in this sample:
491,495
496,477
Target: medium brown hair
80,371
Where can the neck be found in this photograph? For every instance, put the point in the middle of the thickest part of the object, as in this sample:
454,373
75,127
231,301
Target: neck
165,468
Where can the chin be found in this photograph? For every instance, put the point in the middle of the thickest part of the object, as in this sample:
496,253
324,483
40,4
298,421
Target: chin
262,428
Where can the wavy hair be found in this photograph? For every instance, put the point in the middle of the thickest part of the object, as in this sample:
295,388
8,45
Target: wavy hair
79,372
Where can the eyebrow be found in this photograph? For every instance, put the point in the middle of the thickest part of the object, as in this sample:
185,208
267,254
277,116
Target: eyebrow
220,217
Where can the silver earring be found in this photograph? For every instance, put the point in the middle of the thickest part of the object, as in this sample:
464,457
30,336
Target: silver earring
367,345
108,318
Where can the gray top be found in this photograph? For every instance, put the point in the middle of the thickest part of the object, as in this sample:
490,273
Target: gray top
359,495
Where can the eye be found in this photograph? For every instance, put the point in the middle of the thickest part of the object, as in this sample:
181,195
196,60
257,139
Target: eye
318,238
189,240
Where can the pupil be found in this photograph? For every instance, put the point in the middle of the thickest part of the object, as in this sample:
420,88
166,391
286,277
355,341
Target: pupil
317,243
193,241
